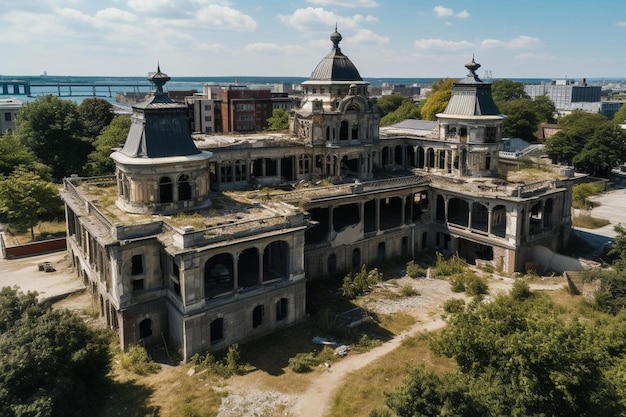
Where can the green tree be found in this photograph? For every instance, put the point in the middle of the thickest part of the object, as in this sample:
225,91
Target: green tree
517,357
279,120
545,109
438,99
406,110
52,128
605,150
51,363
577,128
112,136
521,119
25,198
389,103
507,90
96,113
14,153
620,116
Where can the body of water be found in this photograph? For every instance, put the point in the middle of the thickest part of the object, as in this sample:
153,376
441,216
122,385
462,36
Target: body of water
129,84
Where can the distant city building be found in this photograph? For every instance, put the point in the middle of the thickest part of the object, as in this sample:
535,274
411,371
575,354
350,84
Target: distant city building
568,95
8,111
244,109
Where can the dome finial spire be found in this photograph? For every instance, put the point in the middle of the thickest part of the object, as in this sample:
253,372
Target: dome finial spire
472,67
159,79
335,38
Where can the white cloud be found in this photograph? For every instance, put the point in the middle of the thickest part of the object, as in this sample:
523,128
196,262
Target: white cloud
224,17
442,11
114,14
316,19
345,3
150,5
367,36
442,45
620,24
267,47
521,42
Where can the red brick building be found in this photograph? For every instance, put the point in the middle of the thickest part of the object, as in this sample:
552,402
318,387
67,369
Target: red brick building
245,110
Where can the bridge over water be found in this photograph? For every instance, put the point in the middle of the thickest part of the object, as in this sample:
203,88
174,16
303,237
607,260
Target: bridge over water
69,89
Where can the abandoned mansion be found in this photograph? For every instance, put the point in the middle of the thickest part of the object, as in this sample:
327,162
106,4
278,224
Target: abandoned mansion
207,240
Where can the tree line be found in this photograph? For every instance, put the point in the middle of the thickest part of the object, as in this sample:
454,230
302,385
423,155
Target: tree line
54,138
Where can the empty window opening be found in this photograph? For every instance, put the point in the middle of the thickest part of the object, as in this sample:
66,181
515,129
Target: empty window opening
184,188
145,328
276,261
281,309
369,213
345,215
137,265
248,268
356,259
380,256
218,275
165,190
217,330
343,130
332,263
320,221
257,316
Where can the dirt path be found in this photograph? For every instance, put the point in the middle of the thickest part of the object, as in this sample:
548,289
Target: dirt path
316,400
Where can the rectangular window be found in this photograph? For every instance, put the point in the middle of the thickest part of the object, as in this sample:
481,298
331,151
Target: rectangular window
137,265
281,309
137,284
7,117
217,330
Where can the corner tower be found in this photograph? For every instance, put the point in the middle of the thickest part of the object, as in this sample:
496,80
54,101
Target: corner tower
160,169
473,122
336,118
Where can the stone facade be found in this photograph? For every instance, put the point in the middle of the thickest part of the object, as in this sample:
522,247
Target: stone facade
211,242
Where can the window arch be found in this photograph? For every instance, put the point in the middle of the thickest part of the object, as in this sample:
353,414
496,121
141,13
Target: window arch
184,188
165,190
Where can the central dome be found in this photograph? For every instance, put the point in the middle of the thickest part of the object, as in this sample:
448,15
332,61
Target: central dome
335,66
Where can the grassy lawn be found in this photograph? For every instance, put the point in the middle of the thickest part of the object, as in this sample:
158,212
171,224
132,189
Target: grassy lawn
588,221
364,390
44,230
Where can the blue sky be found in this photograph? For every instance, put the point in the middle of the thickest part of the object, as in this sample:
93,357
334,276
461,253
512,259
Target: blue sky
384,38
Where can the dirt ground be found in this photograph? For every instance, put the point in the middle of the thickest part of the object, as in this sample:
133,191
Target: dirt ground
24,273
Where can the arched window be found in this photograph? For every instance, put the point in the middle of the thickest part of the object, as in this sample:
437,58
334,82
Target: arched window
184,188
165,190
145,328
332,263
343,130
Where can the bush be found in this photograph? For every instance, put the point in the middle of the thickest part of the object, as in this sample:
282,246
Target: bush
582,192
520,290
408,291
475,285
414,270
136,360
454,305
303,362
360,283
229,365
457,283
447,267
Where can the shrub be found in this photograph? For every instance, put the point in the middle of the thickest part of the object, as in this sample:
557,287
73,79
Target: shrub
136,360
379,412
360,283
520,290
454,305
303,362
475,285
447,267
414,270
457,283
229,365
408,291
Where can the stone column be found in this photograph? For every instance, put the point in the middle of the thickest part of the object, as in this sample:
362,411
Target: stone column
261,252
489,219
377,214
236,271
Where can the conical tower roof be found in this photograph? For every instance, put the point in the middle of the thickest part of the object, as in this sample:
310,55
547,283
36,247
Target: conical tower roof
471,96
160,126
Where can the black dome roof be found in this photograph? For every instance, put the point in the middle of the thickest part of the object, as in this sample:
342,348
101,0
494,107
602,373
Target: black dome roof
335,66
